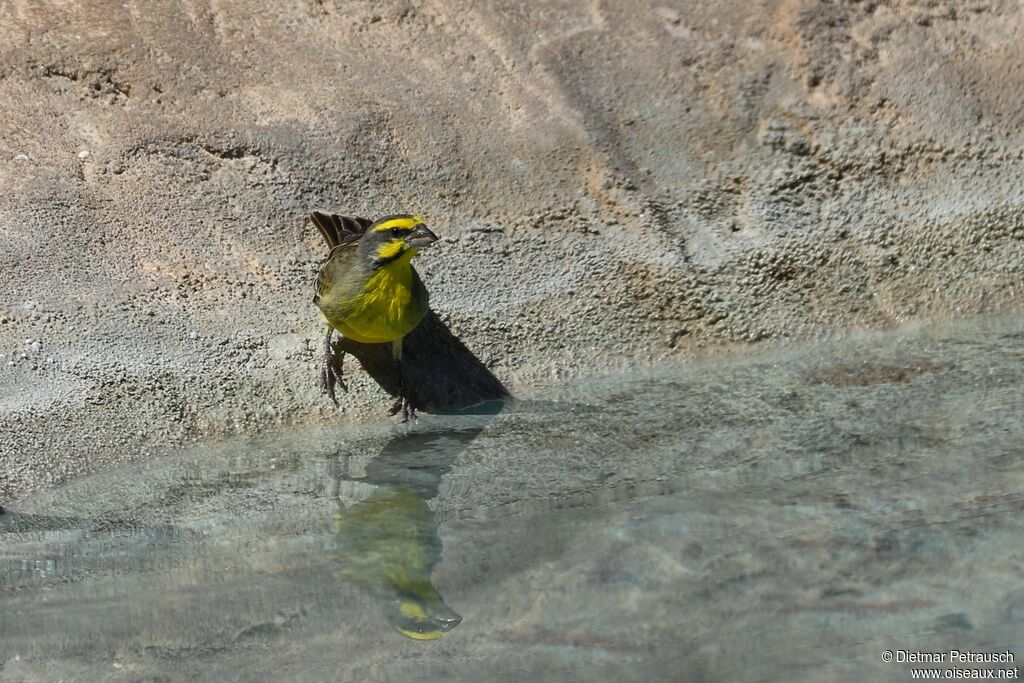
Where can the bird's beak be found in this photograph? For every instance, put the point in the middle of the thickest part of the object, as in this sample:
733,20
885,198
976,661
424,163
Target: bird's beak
421,236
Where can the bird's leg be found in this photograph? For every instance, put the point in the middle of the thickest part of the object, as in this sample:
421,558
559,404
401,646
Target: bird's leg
331,367
402,402
337,470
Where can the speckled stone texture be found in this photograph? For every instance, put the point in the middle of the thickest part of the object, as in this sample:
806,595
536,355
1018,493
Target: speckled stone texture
785,516
614,182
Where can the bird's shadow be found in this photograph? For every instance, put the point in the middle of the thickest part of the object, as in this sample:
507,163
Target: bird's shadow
441,374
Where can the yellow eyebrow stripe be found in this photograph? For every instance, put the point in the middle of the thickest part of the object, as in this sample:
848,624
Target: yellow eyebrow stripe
429,635
403,223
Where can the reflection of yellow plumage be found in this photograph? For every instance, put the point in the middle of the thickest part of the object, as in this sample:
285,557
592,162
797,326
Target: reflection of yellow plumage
388,544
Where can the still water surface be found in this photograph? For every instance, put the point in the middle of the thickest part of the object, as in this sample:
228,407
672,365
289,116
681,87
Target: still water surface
786,516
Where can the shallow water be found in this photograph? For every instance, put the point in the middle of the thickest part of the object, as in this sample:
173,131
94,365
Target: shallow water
784,516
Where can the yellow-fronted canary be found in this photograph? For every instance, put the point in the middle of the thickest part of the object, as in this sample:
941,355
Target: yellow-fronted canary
389,545
368,290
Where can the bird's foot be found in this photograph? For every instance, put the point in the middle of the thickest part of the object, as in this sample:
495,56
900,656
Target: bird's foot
403,405
331,374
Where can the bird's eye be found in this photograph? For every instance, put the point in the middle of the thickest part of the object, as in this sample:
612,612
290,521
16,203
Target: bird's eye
396,232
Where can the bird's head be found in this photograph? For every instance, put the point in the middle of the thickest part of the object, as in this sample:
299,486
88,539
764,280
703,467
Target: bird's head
422,615
395,237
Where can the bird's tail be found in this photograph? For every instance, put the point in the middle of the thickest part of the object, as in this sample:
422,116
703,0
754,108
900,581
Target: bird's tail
339,229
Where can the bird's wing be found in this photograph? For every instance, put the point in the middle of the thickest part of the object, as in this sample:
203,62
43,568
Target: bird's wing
339,272
337,229
340,276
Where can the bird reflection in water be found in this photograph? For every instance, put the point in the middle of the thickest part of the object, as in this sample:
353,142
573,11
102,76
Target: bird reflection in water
386,537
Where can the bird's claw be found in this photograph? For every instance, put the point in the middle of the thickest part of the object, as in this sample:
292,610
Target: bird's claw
331,376
402,404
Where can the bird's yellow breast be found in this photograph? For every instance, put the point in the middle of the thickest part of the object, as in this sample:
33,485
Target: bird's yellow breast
384,310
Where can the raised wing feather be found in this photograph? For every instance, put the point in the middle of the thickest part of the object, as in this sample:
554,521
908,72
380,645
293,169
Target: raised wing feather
340,275
339,229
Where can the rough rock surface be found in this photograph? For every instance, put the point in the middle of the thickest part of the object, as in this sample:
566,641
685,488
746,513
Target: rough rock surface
614,182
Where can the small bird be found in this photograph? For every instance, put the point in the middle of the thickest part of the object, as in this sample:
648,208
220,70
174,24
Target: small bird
389,544
368,290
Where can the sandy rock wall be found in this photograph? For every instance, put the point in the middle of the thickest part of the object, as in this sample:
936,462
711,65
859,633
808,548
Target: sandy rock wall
615,183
